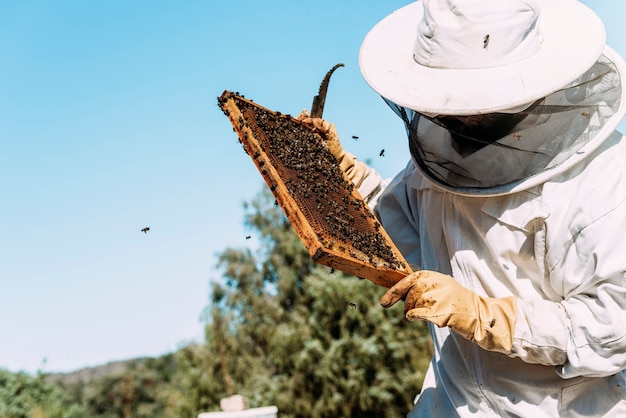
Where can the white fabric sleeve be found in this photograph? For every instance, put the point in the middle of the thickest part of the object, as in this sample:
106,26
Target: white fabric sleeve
585,333
540,333
594,268
371,186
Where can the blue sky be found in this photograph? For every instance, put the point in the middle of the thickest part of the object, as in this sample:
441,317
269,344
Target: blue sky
109,123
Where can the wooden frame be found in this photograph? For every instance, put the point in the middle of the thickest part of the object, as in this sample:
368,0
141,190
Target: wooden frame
260,131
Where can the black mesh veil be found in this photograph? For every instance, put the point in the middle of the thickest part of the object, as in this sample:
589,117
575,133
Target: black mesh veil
497,149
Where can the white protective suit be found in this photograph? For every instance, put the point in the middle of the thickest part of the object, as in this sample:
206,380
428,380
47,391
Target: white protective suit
553,239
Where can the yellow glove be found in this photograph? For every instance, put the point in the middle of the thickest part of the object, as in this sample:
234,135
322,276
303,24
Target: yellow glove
354,169
438,298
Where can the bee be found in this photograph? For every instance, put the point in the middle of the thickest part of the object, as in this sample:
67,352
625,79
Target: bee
486,41
492,323
352,305
248,236
355,137
517,136
382,153
145,230
586,114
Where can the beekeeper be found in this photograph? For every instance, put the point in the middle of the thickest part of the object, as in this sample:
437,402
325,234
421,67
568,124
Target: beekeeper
513,205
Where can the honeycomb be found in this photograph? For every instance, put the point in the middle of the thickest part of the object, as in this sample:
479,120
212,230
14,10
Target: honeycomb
322,205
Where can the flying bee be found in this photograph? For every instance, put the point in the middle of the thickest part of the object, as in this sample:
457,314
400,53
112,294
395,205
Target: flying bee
382,153
486,41
517,136
355,137
352,305
145,230
586,114
248,236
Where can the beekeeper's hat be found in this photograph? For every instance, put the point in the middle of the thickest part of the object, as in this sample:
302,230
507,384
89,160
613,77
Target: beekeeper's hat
464,57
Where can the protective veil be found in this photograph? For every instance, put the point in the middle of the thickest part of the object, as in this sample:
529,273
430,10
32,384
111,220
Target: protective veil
520,149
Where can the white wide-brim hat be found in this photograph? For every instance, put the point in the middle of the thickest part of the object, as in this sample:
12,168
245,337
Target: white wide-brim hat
466,57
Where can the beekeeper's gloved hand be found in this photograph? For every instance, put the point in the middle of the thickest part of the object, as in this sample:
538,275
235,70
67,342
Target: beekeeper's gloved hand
438,298
356,170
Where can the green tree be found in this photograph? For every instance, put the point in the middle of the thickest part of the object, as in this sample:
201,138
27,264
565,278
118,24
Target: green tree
154,387
313,341
26,396
175,385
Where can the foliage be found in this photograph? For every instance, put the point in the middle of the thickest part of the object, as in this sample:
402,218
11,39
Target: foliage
280,330
314,342
25,396
171,386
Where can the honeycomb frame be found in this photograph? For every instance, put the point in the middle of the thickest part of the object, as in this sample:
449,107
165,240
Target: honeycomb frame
320,202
